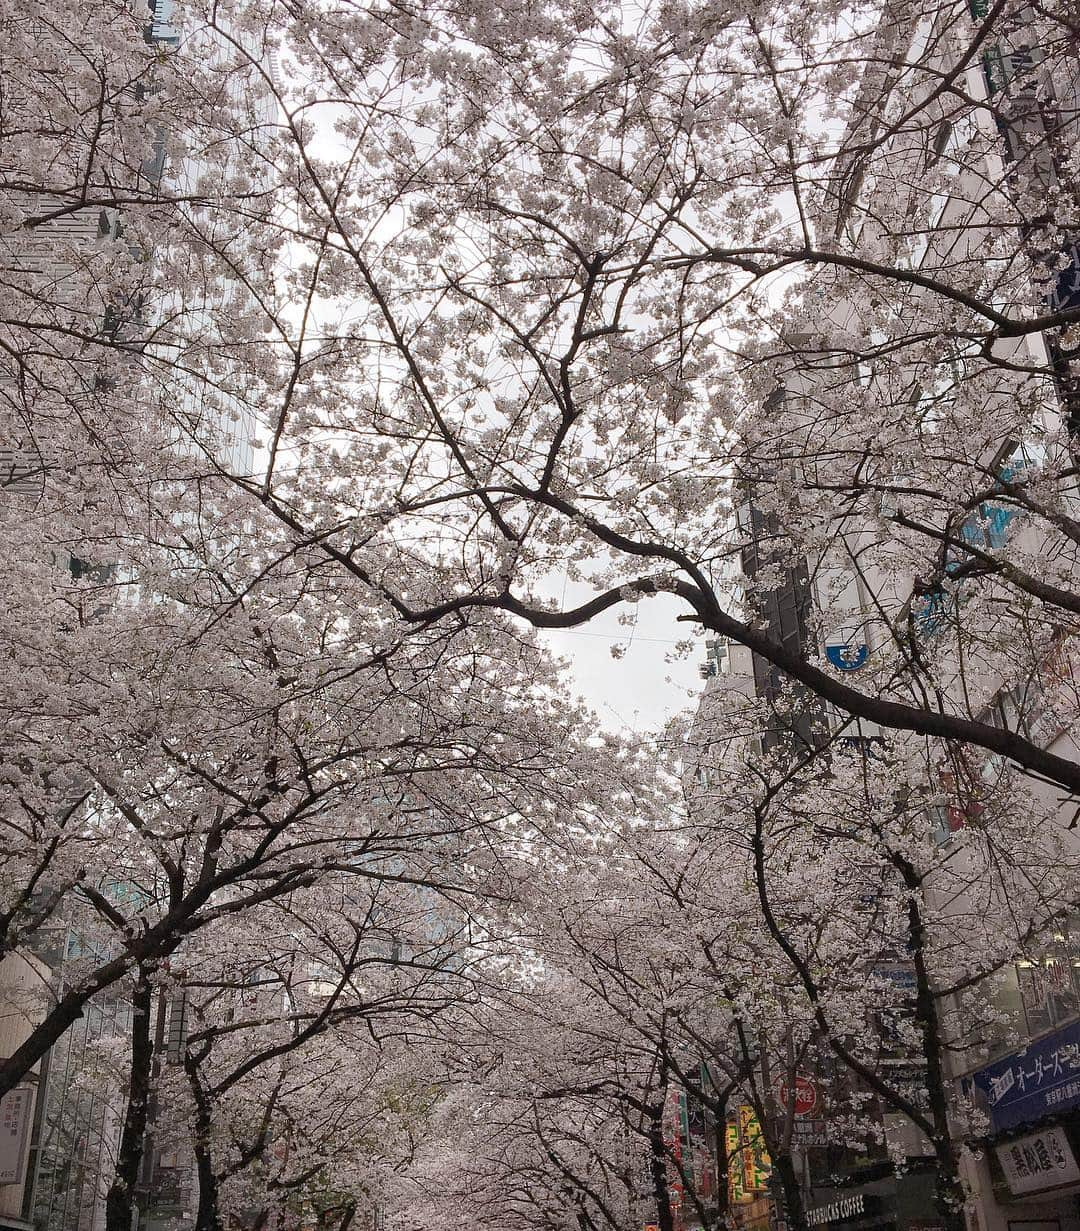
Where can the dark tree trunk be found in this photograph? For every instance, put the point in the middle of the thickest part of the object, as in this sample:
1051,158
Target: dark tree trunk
776,1132
948,1188
723,1188
658,1168
207,1215
790,1190
120,1200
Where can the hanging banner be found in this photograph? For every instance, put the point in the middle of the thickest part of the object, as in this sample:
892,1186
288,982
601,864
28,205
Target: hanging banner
674,1142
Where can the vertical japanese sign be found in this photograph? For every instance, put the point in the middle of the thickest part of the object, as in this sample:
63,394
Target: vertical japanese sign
736,1187
756,1164
674,1142
16,1112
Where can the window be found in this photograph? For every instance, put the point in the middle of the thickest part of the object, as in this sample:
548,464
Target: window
1001,67
1065,292
986,527
929,612
1048,982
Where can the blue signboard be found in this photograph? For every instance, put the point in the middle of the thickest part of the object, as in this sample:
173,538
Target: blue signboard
849,657
1035,1082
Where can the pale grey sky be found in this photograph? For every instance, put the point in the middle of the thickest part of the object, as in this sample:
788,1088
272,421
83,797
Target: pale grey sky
641,690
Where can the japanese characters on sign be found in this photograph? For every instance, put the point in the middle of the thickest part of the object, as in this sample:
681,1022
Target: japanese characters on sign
736,1188
1029,1084
16,1109
675,1135
1038,1161
756,1164
806,1095
809,1133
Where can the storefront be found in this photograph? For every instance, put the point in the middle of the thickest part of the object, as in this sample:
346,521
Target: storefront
891,1203
1028,1167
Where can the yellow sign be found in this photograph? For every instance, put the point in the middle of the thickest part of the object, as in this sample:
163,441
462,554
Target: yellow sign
735,1186
756,1164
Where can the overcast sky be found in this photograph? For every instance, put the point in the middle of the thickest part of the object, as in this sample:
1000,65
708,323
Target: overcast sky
641,690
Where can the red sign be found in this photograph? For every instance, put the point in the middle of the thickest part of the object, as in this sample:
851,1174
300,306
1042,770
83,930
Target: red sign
806,1097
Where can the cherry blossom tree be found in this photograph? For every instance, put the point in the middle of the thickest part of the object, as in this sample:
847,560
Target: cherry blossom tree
310,992
638,297
898,923
556,250
639,1002
805,917
511,295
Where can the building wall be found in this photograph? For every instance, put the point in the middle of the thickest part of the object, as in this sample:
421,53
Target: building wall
22,983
